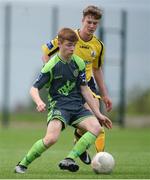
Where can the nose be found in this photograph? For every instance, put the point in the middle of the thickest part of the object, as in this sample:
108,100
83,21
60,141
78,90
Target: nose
72,47
92,25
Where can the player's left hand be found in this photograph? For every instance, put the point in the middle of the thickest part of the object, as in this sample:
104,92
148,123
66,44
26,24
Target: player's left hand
108,103
105,121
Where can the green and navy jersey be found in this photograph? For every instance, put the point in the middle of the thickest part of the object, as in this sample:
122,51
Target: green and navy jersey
63,80
92,52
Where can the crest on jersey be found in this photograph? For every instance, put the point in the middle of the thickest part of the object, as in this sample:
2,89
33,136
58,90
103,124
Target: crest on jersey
76,73
93,53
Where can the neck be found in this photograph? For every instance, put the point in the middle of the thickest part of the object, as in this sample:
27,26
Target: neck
84,36
64,58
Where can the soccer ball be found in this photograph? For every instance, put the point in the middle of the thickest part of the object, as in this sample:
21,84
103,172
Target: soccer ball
103,163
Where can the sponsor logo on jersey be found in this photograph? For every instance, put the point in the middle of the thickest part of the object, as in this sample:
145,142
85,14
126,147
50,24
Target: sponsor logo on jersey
58,77
66,88
84,47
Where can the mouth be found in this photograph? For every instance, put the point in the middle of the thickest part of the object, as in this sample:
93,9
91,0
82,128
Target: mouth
91,31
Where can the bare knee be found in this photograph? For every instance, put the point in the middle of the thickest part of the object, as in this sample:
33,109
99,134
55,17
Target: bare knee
49,140
95,128
90,124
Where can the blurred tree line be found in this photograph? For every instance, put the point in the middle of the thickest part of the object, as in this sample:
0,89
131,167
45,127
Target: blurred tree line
138,102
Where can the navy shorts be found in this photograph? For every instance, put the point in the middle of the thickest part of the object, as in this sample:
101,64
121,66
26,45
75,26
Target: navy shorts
68,117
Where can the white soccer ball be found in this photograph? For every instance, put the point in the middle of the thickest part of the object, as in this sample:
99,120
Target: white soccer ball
103,163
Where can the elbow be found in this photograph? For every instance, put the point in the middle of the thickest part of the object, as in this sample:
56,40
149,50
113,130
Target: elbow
32,90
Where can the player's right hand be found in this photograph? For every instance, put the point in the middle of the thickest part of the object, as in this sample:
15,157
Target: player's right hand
41,106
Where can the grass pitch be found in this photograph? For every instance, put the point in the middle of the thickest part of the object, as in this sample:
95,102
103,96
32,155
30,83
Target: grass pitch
130,148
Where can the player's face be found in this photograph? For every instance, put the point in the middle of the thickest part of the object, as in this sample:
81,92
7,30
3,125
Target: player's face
89,24
67,48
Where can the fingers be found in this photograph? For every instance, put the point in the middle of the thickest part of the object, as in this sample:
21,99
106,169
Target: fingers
41,107
108,107
108,103
108,124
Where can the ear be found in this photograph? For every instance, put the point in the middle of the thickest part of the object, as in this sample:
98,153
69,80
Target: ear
82,19
59,43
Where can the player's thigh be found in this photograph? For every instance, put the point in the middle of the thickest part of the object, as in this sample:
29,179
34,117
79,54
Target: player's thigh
90,124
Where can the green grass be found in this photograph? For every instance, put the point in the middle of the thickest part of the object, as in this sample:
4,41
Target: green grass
130,148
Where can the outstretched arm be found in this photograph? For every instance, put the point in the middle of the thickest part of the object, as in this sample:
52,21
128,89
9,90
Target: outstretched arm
42,79
98,75
93,105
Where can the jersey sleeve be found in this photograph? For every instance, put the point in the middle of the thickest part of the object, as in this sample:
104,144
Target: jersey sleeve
82,78
98,62
41,80
44,77
51,47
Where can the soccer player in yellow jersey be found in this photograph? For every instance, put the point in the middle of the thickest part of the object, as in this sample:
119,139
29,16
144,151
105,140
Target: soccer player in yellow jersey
91,50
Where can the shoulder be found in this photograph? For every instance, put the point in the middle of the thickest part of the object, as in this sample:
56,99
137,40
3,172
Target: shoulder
98,41
50,64
51,47
79,61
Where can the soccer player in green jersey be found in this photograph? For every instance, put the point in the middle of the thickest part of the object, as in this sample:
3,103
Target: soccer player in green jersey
65,77
91,50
